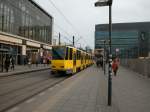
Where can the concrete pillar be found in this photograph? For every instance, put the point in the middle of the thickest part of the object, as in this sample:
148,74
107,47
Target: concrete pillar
23,54
24,50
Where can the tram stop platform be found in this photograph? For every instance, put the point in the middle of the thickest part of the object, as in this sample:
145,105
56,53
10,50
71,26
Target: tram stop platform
86,91
21,69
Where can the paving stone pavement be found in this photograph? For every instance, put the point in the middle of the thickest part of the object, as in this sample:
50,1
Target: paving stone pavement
132,91
86,91
19,69
87,94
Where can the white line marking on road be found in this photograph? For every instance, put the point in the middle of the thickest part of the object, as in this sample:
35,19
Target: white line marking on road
41,94
13,109
50,88
30,100
35,111
57,85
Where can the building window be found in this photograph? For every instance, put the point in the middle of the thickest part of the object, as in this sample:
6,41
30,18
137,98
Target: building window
21,17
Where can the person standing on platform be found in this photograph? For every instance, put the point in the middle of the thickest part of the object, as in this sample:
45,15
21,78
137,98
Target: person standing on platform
7,63
29,61
12,63
101,61
25,60
37,60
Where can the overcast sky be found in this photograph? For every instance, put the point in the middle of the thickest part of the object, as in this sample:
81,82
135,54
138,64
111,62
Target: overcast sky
83,15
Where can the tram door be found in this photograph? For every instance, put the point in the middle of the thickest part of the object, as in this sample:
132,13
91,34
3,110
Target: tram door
74,59
74,62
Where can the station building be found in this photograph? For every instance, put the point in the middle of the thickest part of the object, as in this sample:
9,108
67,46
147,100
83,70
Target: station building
25,30
129,40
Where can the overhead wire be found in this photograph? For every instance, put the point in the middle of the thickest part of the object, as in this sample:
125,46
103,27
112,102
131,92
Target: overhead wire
62,29
64,36
67,20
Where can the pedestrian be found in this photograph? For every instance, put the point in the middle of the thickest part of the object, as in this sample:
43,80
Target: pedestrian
29,61
41,60
101,61
37,59
37,62
115,66
25,61
47,61
7,63
44,61
12,63
97,62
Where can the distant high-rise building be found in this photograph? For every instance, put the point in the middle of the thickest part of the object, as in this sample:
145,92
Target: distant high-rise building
129,40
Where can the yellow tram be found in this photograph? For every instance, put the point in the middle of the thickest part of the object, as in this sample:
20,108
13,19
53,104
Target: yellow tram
69,59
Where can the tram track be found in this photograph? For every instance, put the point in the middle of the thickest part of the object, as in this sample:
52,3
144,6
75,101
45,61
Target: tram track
11,78
14,90
10,87
19,95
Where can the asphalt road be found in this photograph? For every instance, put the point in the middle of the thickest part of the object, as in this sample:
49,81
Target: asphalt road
17,88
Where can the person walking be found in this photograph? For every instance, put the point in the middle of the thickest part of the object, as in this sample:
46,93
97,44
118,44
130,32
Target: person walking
44,61
101,61
36,62
25,61
7,63
47,61
29,62
115,66
12,63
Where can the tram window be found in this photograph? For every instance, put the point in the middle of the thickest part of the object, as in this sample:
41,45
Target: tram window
58,53
79,54
67,50
86,57
74,56
70,55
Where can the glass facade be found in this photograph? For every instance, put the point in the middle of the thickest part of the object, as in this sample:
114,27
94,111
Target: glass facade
122,40
8,51
129,40
24,18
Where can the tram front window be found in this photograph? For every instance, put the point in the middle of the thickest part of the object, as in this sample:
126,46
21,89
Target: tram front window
58,53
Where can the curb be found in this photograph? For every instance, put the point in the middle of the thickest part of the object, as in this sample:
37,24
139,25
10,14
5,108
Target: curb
23,72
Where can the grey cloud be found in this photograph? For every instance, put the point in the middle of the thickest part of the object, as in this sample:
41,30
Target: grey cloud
83,15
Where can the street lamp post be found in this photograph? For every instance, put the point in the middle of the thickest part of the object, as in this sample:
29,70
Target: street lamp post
104,55
101,3
104,58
